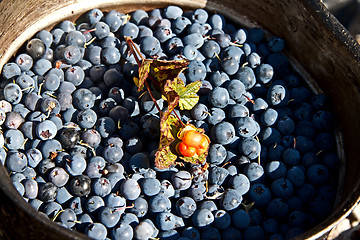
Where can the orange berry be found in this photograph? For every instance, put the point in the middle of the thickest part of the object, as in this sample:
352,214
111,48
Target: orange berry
185,150
192,138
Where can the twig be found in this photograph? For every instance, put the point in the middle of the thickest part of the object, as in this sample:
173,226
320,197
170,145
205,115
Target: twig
130,43
152,97
177,116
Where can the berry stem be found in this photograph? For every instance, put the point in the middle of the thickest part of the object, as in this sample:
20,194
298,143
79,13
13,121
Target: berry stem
259,159
124,207
88,146
89,42
56,215
248,99
90,30
39,91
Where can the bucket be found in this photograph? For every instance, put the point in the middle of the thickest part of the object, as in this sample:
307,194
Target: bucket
317,43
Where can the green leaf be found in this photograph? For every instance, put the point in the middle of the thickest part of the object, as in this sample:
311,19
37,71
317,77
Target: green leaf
187,94
188,97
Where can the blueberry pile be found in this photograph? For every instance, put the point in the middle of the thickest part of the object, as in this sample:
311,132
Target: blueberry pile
79,139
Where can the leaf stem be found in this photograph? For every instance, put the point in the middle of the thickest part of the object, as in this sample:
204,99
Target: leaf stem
152,97
177,116
130,42
134,50
155,82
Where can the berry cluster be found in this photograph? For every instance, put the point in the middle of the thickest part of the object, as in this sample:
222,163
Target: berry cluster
79,139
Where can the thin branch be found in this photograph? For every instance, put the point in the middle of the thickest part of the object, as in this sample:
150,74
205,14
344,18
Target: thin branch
177,116
130,42
152,97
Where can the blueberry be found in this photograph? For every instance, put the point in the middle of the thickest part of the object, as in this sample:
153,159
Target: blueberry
265,73
110,55
47,192
194,39
25,82
12,93
181,180
250,147
35,48
254,172
277,209
150,186
200,16
96,231
129,30
123,231
94,16
80,185
46,130
41,66
219,97
246,127
24,61
254,232
130,189
75,75
58,176
282,188
71,54
109,216
217,154
145,230
14,139
230,200
223,133
83,99
202,218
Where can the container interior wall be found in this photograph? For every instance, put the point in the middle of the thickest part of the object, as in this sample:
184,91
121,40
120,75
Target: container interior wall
313,37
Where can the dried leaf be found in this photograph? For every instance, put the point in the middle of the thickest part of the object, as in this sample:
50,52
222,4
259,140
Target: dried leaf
144,71
196,159
160,70
164,157
137,83
247,207
171,106
168,69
